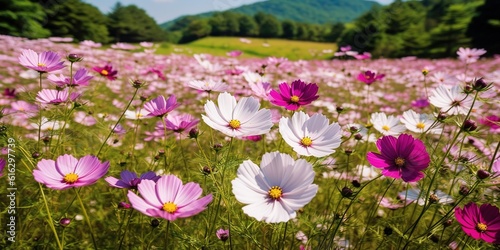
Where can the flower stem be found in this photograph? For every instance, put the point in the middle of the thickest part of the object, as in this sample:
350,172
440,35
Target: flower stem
51,223
86,218
166,234
117,122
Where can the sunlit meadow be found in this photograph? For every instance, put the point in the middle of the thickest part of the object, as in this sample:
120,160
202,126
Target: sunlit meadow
114,149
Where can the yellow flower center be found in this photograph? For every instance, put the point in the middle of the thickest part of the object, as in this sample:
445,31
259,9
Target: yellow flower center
399,162
41,65
420,125
234,124
169,207
70,178
294,98
275,192
306,141
481,227
104,72
386,128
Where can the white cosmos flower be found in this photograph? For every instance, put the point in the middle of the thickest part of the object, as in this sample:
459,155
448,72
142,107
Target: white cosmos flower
452,100
387,125
310,135
208,85
420,123
237,119
139,114
276,190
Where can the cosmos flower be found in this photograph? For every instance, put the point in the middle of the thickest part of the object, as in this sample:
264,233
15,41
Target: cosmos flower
3,163
237,119
310,135
222,234
81,78
234,53
452,100
468,55
52,96
168,198
180,122
160,106
47,61
294,96
67,171
106,71
420,103
369,77
415,194
276,190
404,157
420,123
130,180
208,86
139,114
387,125
480,222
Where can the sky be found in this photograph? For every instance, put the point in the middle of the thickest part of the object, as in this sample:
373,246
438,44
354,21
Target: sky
166,10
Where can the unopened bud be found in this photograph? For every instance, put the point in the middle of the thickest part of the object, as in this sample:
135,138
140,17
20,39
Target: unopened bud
482,174
74,58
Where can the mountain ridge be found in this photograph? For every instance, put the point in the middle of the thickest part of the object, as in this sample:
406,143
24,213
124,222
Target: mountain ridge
305,11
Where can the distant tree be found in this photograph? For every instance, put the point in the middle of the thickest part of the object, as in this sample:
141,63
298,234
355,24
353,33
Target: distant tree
132,24
303,32
182,23
248,26
197,29
484,29
225,24
334,32
22,18
77,19
289,29
269,26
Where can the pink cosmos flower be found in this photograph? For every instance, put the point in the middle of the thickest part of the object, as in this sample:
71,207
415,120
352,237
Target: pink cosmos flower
130,180
47,61
404,157
468,55
234,53
492,121
180,122
106,71
159,106
67,171
369,77
294,96
480,222
10,93
365,55
168,198
52,96
81,78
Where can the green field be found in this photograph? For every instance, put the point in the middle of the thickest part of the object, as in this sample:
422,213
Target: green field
259,47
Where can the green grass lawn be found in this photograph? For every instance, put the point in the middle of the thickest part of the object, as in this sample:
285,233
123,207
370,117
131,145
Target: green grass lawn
258,47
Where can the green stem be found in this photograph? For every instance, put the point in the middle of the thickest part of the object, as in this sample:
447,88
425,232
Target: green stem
117,122
51,223
86,218
166,235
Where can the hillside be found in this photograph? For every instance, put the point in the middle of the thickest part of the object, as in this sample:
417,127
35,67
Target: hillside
306,11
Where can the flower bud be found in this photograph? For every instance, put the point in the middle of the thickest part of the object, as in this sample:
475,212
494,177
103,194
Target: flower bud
482,174
64,222
479,84
217,147
447,222
339,109
464,190
207,170
433,198
425,72
193,133
346,192
358,137
35,155
387,231
155,223
124,205
469,125
74,58
356,183
222,234
137,84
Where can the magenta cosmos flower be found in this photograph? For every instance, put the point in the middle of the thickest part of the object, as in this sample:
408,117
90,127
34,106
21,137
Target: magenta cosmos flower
480,222
130,179
160,106
294,96
67,171
404,157
168,198
81,78
47,61
106,71
369,77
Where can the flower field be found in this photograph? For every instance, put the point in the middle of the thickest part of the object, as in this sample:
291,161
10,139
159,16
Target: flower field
122,148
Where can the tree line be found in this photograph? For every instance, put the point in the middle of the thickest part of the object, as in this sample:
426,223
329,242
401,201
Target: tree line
425,28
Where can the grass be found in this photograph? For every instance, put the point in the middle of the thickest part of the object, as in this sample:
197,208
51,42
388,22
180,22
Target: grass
257,48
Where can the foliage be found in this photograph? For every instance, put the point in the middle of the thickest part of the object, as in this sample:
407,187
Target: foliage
22,18
76,19
484,28
132,24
